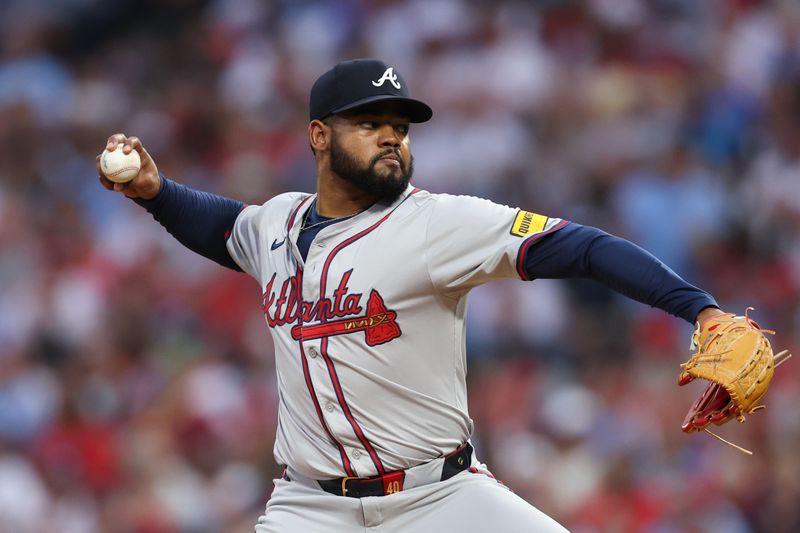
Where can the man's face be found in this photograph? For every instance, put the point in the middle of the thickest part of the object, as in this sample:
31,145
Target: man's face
370,150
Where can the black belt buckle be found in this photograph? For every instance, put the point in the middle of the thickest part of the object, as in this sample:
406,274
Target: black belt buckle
361,487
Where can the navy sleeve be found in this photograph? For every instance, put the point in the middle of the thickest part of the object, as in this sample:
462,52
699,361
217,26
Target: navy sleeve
199,220
577,251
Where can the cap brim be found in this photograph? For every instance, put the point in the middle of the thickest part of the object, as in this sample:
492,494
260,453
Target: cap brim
416,110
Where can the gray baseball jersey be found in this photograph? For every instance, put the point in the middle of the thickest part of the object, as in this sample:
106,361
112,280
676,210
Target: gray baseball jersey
369,329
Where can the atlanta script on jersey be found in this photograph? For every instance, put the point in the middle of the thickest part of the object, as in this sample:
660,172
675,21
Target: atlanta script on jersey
369,330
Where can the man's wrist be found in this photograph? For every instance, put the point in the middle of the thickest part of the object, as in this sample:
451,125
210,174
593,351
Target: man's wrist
707,313
157,197
159,186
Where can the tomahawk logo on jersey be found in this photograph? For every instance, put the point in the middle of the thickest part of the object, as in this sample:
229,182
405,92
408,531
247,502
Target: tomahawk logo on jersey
379,323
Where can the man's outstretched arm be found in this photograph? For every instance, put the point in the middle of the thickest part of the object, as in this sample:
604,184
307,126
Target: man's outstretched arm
199,220
577,251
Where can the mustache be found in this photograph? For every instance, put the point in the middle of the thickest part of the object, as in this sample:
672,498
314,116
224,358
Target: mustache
390,151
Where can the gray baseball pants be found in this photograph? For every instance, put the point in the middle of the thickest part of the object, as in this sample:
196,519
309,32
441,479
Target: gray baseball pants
469,502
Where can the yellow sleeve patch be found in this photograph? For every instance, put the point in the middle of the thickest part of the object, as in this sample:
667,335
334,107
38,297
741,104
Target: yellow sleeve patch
527,223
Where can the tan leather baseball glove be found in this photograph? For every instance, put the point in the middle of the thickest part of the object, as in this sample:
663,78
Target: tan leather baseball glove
734,354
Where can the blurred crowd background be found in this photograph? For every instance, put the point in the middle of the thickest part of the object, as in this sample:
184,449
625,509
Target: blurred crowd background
137,385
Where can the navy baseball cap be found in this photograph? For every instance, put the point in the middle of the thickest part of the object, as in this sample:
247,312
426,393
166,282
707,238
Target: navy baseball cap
358,82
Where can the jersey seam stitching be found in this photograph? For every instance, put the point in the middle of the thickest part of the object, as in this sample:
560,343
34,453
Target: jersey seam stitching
439,292
234,238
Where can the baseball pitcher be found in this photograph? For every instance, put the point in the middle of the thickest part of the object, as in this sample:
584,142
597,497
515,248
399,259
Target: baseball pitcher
364,290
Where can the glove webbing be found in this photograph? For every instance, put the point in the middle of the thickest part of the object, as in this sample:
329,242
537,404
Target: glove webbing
779,358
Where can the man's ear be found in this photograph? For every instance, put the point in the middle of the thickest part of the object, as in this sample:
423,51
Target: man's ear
319,135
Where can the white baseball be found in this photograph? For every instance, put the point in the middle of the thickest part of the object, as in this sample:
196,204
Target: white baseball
118,166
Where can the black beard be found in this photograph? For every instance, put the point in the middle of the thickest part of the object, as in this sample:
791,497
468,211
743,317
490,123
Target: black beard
385,188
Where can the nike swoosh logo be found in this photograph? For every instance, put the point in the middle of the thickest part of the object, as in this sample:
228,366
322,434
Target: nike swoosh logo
276,244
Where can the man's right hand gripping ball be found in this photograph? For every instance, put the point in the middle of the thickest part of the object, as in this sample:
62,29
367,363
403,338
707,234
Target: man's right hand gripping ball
146,184
734,354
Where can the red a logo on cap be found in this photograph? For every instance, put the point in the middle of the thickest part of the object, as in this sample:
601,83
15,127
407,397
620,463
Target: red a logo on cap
388,75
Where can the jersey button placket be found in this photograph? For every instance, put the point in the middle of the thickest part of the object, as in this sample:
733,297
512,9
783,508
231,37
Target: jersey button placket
310,283
326,396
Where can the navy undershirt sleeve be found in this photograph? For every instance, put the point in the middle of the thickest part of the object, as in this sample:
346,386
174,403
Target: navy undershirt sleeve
199,220
577,251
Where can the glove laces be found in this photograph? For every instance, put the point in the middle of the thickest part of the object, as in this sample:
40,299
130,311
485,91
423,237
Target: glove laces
779,358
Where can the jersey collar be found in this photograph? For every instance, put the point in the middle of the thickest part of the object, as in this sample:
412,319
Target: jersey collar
352,225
